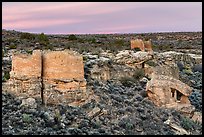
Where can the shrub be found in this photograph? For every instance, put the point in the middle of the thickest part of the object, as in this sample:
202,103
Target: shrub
154,47
137,49
197,67
67,46
103,36
162,47
57,116
27,36
26,118
127,81
11,40
119,42
139,73
49,47
92,40
43,39
29,51
96,51
12,46
151,63
81,40
72,37
6,75
188,71
85,58
187,123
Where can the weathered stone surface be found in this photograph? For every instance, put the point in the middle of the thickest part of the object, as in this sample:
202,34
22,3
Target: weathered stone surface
63,64
25,75
186,59
148,45
53,76
138,43
24,65
54,96
167,70
197,117
100,73
103,69
169,92
178,129
94,112
63,77
29,102
131,58
30,87
163,90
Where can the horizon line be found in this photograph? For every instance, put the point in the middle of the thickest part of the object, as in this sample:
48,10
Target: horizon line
102,33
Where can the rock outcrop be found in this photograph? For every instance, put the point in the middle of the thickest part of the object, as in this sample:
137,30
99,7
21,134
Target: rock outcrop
109,67
186,59
130,58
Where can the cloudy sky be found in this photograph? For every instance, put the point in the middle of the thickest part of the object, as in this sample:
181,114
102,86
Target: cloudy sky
101,17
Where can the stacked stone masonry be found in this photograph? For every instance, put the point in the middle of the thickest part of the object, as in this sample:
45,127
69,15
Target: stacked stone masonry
54,76
169,92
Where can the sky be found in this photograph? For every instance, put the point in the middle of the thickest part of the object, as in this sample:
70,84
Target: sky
101,17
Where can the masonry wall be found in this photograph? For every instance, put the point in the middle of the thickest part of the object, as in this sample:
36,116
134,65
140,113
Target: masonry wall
25,76
63,77
24,65
53,76
159,90
63,65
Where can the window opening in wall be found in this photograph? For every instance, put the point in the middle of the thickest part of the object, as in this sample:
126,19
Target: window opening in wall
172,92
179,94
176,94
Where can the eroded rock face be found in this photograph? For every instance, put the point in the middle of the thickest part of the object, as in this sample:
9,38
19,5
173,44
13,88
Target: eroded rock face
186,59
167,70
54,76
105,68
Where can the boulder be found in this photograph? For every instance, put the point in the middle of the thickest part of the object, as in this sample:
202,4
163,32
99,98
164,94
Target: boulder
197,117
197,67
29,102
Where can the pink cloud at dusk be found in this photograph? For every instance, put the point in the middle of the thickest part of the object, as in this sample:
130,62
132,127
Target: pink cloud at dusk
101,17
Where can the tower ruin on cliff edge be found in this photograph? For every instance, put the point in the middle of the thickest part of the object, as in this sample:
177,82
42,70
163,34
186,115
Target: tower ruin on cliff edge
53,76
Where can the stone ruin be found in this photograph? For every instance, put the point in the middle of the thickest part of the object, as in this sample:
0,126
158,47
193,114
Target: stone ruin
142,45
53,76
166,90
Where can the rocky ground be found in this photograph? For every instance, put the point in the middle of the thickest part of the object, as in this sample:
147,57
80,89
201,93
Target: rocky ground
121,108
